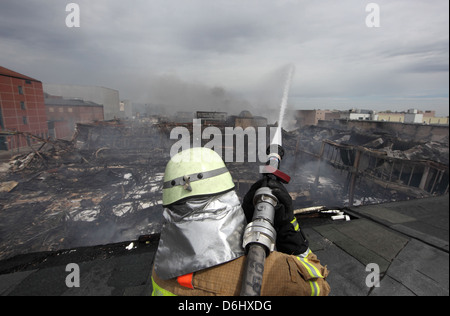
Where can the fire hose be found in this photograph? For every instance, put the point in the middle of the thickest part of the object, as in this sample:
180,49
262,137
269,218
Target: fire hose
260,235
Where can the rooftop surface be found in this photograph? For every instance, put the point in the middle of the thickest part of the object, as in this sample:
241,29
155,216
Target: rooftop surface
408,241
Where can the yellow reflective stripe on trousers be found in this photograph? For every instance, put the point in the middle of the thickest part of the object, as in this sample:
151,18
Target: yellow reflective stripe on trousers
312,270
159,291
315,288
295,224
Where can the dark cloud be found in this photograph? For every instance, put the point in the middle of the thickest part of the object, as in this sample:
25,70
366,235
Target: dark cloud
238,46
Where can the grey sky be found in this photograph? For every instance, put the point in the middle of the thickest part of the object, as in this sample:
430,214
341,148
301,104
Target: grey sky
175,51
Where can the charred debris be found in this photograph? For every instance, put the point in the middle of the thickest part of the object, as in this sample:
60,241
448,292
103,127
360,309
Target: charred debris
105,184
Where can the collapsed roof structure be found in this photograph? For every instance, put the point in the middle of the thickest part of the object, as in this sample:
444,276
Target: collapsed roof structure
105,185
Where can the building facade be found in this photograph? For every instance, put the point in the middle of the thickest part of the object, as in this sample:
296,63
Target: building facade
413,116
107,97
312,117
22,109
359,114
63,115
398,117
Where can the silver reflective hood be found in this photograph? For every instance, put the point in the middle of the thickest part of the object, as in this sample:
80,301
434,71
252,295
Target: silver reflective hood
199,234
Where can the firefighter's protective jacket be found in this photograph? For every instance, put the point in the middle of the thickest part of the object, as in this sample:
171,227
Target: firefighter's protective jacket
284,275
200,251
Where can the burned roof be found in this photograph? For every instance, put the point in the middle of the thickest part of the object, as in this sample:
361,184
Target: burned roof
96,201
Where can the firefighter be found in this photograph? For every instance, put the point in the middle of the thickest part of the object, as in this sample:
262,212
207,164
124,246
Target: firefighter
200,249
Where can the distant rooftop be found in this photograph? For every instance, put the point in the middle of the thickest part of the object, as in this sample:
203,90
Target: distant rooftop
59,101
9,73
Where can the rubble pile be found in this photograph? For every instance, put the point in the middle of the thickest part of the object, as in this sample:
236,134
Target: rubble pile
365,168
62,197
309,139
71,206
105,185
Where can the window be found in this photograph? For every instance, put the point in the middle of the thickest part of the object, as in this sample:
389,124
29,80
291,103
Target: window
22,105
20,89
25,120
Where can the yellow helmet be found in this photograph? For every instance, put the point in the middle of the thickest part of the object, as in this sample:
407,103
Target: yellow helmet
194,172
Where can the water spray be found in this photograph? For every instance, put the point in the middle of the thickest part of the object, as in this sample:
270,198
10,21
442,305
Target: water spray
260,235
277,139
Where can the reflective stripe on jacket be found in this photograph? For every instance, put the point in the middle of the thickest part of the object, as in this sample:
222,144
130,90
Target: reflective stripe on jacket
284,275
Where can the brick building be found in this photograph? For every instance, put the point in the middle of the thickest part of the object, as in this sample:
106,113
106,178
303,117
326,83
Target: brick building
22,109
312,117
63,114
426,117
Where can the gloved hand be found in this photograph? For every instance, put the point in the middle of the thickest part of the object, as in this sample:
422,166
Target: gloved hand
289,239
283,211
